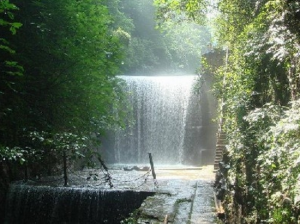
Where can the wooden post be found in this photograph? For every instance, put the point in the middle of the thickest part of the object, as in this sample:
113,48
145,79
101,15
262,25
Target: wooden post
152,166
65,168
166,219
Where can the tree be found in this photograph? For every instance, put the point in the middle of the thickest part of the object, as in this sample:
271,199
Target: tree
69,50
178,11
256,88
259,88
70,57
153,45
11,72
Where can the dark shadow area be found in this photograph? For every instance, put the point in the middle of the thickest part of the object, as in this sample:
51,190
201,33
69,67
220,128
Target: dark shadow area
32,204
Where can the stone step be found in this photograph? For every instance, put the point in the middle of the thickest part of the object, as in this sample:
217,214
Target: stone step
221,141
217,161
216,167
221,145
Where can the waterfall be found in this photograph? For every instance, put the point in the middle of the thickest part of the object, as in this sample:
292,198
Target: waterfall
169,121
36,204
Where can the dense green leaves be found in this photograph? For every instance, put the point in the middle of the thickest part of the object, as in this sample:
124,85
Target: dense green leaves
276,132
174,46
67,86
58,84
71,54
259,79
180,10
259,86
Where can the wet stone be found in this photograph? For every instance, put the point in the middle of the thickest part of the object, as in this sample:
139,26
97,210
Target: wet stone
183,212
183,202
180,196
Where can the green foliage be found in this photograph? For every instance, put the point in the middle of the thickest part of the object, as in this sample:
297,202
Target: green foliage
177,11
75,65
14,154
132,219
176,46
8,67
259,88
11,74
38,148
123,36
185,43
66,89
278,161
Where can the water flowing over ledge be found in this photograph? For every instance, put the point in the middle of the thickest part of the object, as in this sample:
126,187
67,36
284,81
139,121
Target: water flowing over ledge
183,195
41,204
170,121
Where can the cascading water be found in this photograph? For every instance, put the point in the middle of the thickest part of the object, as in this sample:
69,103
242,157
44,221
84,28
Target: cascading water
36,204
169,121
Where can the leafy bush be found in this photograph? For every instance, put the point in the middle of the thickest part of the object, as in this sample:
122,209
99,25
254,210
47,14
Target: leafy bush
259,89
42,152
